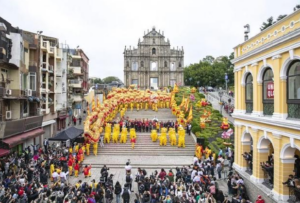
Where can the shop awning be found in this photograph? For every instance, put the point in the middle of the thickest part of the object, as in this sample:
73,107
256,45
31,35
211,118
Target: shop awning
68,134
18,139
63,117
4,152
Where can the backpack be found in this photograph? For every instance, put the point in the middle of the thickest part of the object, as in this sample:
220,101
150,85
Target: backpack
144,172
108,193
118,189
125,194
141,188
178,174
142,178
128,179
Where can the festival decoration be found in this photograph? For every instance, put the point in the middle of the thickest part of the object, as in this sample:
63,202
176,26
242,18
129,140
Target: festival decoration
119,99
204,102
193,90
225,125
226,136
202,122
190,116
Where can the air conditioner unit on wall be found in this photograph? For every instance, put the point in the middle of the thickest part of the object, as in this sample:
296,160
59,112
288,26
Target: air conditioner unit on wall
8,115
28,92
8,92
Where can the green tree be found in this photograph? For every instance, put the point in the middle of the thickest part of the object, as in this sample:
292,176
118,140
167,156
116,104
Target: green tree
110,79
267,24
210,72
208,59
97,81
281,17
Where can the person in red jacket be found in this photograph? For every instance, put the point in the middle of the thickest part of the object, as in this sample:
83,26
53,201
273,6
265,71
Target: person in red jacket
132,140
70,166
76,168
86,171
260,200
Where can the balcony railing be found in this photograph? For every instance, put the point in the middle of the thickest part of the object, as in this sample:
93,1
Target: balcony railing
44,44
44,66
51,68
21,125
294,111
33,63
51,49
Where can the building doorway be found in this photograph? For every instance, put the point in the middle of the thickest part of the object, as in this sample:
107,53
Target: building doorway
153,83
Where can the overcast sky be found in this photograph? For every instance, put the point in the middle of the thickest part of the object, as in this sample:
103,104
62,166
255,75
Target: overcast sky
103,28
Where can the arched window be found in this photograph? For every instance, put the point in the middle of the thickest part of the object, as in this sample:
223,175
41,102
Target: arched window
249,93
142,63
153,51
179,65
127,63
166,64
268,92
293,90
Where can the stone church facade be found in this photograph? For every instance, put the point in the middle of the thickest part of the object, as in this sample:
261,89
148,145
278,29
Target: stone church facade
153,64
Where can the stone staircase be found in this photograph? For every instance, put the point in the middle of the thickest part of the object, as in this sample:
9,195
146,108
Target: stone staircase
146,154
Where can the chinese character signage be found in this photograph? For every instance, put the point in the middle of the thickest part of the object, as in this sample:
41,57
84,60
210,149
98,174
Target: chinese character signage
270,90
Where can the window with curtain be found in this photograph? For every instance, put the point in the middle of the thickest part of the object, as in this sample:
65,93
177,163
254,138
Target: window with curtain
249,93
32,81
268,92
293,90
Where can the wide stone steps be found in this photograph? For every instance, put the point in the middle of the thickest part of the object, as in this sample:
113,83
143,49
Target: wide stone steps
144,166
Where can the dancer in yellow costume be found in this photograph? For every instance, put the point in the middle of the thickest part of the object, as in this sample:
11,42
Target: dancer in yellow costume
76,148
107,138
87,148
52,168
132,133
95,148
181,137
172,134
124,133
163,137
153,135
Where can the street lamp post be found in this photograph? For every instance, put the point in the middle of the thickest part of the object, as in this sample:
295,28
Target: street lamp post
226,80
220,96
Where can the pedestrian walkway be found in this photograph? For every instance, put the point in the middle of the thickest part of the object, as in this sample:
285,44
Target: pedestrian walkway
214,99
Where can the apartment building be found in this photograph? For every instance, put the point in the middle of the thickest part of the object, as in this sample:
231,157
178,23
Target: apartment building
21,123
78,72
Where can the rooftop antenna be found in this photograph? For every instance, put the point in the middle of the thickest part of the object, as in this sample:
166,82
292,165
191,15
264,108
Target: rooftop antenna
247,31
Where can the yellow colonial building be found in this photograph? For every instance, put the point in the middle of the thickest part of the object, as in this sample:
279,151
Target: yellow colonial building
267,105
